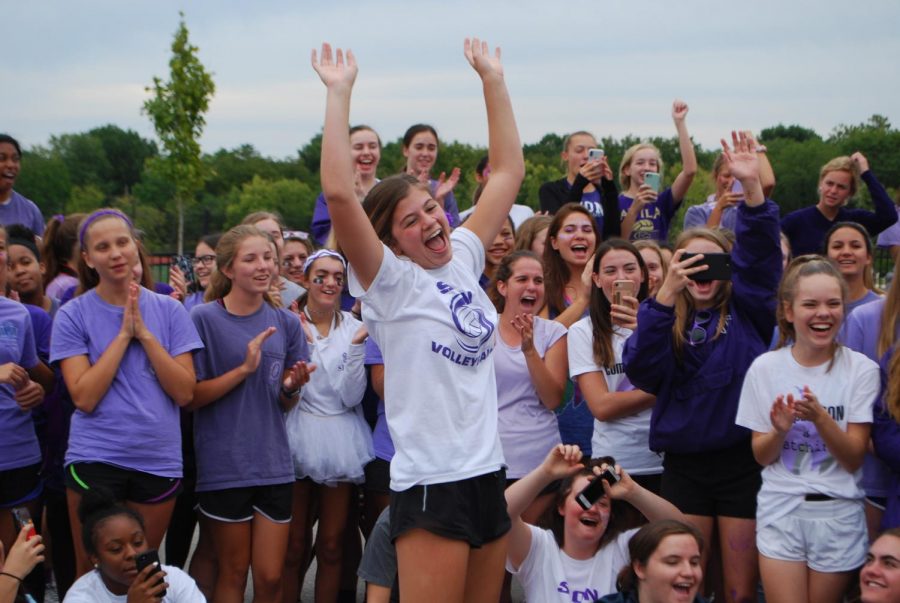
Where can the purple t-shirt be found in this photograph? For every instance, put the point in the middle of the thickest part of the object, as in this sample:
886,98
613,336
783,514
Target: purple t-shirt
20,210
381,436
240,439
653,221
136,424
18,442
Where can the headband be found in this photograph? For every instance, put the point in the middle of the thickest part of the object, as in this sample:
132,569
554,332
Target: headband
322,253
99,214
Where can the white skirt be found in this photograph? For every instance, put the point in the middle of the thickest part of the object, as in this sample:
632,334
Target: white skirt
329,449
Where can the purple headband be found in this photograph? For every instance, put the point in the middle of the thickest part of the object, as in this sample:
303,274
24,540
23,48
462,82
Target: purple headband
323,253
99,214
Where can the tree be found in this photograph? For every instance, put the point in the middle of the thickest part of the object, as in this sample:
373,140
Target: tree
794,132
177,111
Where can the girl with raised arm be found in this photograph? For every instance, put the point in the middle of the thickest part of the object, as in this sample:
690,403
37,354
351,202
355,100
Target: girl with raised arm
693,343
436,329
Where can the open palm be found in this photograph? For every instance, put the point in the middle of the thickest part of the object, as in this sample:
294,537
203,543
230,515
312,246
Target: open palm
333,69
478,53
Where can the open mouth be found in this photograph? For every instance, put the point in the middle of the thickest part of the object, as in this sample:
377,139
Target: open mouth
589,521
683,588
528,302
436,241
820,327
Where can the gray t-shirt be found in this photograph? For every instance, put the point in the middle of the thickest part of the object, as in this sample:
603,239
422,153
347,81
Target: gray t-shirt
379,561
240,438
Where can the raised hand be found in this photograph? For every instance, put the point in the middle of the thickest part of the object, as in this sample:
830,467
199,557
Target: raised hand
333,70
562,461
782,414
861,162
741,159
177,282
445,185
524,324
678,276
478,53
254,350
679,110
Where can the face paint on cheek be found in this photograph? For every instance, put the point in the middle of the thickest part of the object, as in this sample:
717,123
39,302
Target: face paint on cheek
318,280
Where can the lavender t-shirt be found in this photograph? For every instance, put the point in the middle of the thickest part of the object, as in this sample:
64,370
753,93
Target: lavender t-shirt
240,439
136,424
18,443
381,436
21,210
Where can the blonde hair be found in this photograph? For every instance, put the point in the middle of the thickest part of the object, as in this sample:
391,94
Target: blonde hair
654,246
842,164
567,141
684,303
219,284
624,178
800,268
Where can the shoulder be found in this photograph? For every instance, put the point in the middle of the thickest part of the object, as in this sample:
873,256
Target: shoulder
583,327
10,309
855,361
86,589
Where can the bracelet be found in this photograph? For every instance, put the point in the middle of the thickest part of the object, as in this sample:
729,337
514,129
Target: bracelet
11,576
289,394
761,148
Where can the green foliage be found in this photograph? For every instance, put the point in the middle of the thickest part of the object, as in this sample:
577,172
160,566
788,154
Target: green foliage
794,132
45,179
293,199
177,110
85,199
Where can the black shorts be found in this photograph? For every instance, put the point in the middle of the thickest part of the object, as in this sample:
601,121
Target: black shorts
712,484
473,510
551,488
378,476
235,505
652,482
122,484
20,485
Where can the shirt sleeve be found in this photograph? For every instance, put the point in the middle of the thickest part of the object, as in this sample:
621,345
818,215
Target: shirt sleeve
581,350
68,338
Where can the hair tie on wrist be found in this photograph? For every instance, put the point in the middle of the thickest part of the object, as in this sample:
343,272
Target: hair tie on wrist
10,575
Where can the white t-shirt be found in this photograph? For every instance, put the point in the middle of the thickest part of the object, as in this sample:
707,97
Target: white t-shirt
339,381
436,331
548,574
805,466
90,589
528,430
626,439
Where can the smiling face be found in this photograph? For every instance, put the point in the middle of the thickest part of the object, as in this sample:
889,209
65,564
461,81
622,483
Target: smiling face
724,180
292,260
583,529
420,230
816,312
672,574
524,289
879,579
576,153
365,151
9,166
204,262
253,265
421,153
118,540
273,228
704,294
653,261
576,239
643,161
847,247
325,281
835,188
502,245
111,250
25,271
539,242
617,265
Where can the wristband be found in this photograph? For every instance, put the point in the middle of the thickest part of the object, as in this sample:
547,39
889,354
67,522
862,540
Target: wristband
11,576
289,393
761,148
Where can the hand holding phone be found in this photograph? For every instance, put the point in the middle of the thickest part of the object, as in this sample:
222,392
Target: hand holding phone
147,558
23,519
652,179
622,289
595,154
594,490
718,267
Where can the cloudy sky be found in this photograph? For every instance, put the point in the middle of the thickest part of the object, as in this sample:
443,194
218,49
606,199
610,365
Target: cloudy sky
612,67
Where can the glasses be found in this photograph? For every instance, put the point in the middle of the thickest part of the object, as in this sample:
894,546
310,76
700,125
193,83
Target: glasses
206,260
698,334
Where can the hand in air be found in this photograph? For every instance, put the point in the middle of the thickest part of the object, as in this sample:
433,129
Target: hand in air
333,70
679,110
741,160
478,53
562,461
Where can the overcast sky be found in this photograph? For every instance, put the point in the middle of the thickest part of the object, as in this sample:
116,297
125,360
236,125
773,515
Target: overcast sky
612,67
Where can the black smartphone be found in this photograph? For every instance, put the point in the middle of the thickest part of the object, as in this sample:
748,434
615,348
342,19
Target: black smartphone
594,490
186,266
718,267
146,558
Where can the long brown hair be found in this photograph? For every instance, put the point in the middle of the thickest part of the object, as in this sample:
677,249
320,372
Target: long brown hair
601,322
645,542
382,201
219,284
684,303
556,271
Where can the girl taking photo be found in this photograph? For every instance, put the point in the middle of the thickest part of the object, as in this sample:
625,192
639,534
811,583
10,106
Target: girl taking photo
434,324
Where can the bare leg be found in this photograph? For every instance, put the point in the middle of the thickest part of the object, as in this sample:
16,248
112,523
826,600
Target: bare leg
204,566
82,563
484,576
156,519
232,549
828,587
784,581
270,541
431,568
740,565
299,541
333,509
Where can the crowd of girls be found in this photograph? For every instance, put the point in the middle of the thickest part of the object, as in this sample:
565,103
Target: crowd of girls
491,369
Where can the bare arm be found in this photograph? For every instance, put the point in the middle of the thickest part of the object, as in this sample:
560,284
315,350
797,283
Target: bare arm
504,147
351,225
548,374
688,156
847,447
88,383
210,390
606,405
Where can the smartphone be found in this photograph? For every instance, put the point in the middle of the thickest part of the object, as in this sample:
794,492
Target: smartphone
652,179
146,558
621,289
594,490
186,266
23,519
718,267
595,154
